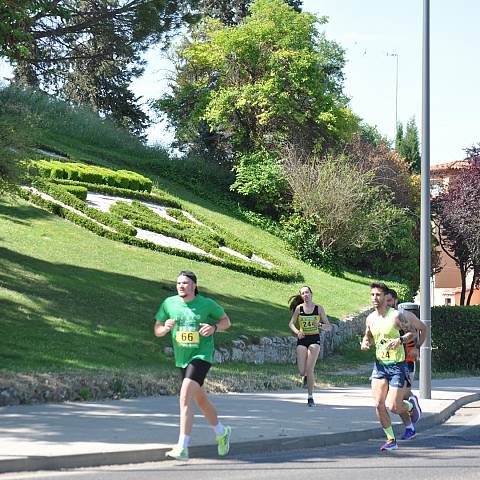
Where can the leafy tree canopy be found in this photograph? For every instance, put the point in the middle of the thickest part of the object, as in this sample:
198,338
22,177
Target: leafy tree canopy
232,12
87,51
273,77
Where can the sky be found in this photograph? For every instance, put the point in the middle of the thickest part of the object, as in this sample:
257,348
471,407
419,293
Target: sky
370,31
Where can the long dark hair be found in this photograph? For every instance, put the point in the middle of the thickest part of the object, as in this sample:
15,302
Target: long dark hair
191,276
297,299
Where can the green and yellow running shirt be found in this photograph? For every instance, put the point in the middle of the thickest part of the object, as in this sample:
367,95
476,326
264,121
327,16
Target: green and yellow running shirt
188,344
308,323
383,330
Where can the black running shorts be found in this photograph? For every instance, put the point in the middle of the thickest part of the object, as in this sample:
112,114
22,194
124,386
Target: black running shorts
196,370
308,340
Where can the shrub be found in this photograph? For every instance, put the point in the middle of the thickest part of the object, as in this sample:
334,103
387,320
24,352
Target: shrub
159,197
92,174
79,192
260,177
454,334
67,198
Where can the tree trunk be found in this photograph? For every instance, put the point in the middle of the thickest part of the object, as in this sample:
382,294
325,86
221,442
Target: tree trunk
463,275
472,286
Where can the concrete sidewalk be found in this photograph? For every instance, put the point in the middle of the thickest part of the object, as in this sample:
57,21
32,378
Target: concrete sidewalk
69,435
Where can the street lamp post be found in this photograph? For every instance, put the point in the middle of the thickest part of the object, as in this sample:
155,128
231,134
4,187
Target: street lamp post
394,54
425,222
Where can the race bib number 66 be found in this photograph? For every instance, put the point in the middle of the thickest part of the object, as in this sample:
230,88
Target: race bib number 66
187,338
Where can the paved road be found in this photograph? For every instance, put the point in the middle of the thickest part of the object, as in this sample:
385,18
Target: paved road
450,451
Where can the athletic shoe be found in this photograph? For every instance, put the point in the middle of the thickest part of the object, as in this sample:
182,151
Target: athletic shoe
305,382
409,433
418,403
310,402
416,412
223,442
389,445
178,453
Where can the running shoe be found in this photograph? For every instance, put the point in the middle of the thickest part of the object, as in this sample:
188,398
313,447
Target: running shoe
305,382
416,412
409,433
389,445
310,402
178,453
223,442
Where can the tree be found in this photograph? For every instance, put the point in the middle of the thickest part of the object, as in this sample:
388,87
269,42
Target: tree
407,145
88,51
457,222
232,12
399,137
271,78
354,218
389,169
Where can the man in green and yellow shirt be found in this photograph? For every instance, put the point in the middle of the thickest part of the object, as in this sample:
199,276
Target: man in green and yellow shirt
390,372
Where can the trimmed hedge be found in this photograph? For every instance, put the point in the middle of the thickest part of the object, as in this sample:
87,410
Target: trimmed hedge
455,331
80,192
91,174
60,194
162,198
224,237
279,274
187,231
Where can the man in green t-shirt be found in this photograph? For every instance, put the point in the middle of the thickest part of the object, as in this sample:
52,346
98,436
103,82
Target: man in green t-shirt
193,319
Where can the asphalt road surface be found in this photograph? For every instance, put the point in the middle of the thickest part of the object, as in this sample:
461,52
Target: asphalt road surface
449,451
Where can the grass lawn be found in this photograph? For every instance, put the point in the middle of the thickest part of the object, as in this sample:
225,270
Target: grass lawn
73,300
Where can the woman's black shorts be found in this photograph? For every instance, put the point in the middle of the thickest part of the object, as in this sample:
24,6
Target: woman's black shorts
196,370
308,340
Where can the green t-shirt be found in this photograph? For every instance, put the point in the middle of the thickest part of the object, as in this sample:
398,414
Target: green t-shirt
188,344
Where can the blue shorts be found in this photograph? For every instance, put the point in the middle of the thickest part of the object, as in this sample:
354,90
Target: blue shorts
396,374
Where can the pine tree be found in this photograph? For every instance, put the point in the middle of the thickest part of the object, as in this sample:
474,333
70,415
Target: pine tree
407,145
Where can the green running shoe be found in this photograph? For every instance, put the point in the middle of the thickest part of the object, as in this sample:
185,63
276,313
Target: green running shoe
223,441
178,453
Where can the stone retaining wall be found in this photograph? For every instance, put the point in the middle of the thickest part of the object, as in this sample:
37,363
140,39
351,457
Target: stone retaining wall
282,349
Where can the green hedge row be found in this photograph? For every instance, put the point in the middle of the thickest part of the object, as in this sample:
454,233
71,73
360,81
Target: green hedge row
90,174
162,198
80,192
60,194
63,212
278,274
225,239
455,331
142,217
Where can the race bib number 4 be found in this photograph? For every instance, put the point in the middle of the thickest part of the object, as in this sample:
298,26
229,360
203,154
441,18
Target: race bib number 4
187,338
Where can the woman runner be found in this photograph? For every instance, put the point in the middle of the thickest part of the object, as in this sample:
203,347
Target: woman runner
311,318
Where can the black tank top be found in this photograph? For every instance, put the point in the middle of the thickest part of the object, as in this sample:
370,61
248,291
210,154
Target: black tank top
309,322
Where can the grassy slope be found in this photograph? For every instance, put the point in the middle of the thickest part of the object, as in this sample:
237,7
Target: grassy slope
72,300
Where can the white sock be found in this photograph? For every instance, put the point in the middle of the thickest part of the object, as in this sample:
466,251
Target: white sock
410,426
183,440
219,429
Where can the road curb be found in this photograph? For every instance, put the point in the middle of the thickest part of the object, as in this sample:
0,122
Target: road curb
266,445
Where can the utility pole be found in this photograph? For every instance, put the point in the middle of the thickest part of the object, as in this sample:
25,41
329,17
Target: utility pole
425,221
